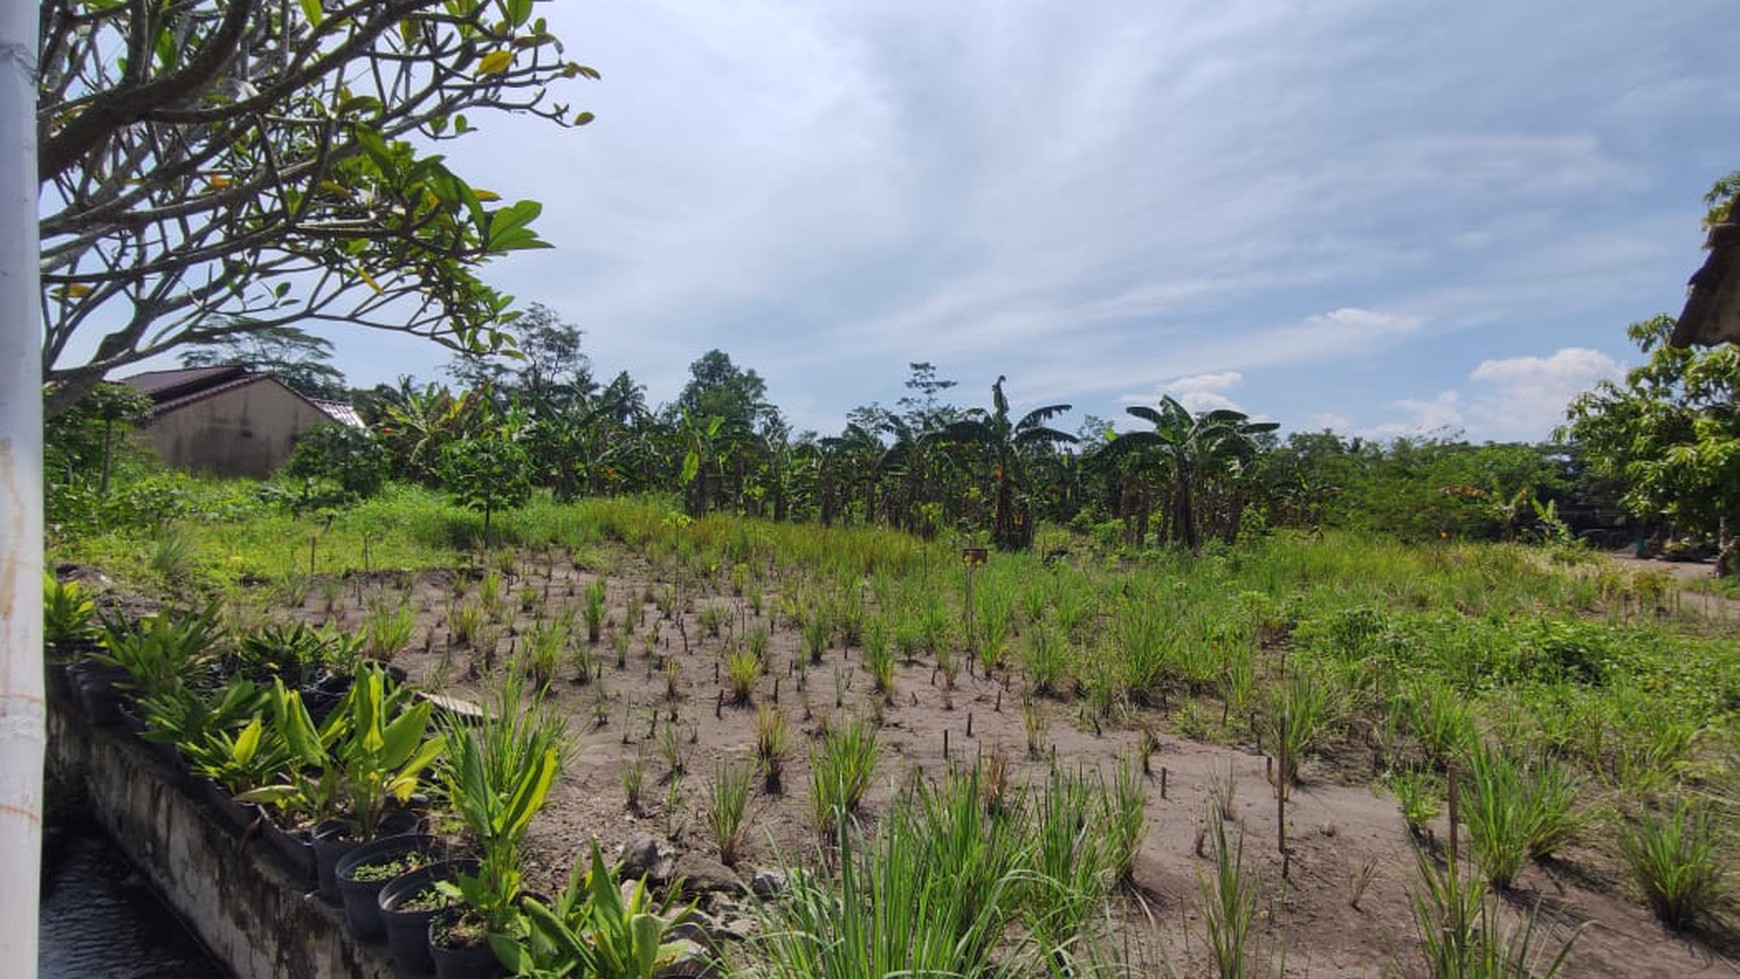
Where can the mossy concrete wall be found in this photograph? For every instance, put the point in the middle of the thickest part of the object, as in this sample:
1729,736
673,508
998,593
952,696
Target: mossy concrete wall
249,913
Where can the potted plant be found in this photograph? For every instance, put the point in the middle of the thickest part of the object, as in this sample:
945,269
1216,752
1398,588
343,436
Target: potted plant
161,651
591,929
319,662
408,902
497,776
189,715
359,768
232,761
364,871
68,628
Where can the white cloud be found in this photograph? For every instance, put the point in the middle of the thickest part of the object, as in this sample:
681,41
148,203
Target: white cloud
830,191
1439,417
1199,392
1513,399
1525,397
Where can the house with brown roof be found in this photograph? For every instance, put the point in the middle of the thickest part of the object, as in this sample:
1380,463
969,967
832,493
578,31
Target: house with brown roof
228,421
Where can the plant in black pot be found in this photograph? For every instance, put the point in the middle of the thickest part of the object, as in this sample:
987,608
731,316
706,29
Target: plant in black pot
68,627
364,871
361,766
407,904
233,761
158,654
308,793
497,776
592,929
189,714
318,661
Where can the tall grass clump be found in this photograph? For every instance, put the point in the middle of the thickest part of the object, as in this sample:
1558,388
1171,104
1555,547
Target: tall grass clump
742,669
840,770
727,800
772,745
1516,811
1461,934
931,893
1229,900
1045,658
1071,858
1496,809
1676,860
1296,712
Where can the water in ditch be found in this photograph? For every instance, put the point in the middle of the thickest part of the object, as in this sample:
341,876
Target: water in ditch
100,920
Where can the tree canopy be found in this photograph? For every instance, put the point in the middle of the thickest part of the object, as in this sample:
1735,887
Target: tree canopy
211,166
1670,434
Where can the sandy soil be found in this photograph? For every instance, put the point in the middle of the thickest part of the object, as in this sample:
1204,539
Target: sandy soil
1340,828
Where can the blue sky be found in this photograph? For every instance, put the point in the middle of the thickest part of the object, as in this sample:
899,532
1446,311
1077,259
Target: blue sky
1387,218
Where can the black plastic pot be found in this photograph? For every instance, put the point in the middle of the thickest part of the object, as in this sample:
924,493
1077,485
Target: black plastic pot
294,852
321,696
408,931
236,816
132,721
467,962
331,843
98,694
361,912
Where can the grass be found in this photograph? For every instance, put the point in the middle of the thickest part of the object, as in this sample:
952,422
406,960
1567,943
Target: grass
1462,934
727,800
1229,899
1409,655
1676,860
841,766
742,668
772,746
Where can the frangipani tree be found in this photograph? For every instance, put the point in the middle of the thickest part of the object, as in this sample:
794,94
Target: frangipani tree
211,167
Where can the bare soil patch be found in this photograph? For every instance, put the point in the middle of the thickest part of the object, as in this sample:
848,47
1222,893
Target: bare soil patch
1341,828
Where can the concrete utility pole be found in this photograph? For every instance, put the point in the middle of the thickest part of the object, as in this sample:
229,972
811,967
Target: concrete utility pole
23,728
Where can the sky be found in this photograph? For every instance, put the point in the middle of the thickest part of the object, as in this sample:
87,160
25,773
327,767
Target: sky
1383,218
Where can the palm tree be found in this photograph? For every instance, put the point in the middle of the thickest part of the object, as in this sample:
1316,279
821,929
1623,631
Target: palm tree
1185,450
1006,442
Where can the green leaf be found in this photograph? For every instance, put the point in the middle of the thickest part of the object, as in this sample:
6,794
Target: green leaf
314,13
248,742
401,737
529,796
518,11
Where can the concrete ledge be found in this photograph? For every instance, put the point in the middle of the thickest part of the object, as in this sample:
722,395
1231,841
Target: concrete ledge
247,911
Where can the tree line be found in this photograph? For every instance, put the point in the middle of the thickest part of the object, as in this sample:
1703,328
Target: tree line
501,427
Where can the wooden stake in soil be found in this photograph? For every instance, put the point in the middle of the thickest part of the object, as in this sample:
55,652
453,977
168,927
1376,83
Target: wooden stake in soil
945,744
1162,781
1281,797
969,724
1455,811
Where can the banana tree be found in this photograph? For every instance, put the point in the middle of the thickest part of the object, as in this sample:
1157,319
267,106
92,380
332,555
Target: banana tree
1184,450
1005,443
